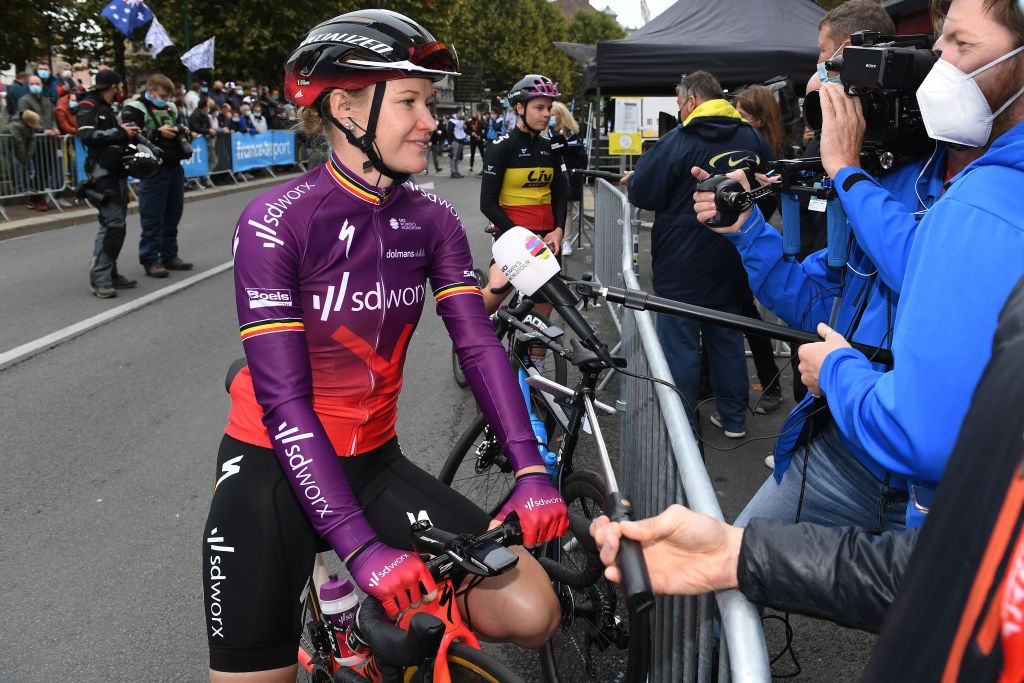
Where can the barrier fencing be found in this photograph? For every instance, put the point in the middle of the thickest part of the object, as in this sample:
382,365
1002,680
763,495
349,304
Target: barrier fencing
55,163
666,467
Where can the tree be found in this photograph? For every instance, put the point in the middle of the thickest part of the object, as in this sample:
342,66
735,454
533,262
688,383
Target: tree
590,26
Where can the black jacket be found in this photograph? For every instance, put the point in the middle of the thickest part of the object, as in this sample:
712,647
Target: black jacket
101,134
690,262
926,586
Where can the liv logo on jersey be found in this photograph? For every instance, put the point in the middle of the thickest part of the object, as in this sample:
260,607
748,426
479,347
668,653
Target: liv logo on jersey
537,248
216,575
265,298
299,464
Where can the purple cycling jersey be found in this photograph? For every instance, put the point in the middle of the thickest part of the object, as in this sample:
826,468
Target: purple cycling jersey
330,277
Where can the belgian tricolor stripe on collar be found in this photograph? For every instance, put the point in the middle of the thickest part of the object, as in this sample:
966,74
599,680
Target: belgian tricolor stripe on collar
368,193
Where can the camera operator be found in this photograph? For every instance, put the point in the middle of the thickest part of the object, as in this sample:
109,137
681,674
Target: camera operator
950,275
107,187
939,594
161,198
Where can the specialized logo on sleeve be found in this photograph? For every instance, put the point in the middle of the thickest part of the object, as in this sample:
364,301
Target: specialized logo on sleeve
302,478
266,298
216,575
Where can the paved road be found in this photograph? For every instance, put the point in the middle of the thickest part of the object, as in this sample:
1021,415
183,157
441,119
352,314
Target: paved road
110,440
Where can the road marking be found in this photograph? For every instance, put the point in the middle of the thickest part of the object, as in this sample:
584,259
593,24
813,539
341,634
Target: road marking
425,186
32,348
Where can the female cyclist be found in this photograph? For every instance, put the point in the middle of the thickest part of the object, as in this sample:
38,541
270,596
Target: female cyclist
330,272
522,181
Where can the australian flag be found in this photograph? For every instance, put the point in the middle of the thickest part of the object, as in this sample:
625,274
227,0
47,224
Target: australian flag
127,15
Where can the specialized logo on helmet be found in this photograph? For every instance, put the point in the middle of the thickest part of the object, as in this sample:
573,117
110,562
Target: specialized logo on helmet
350,39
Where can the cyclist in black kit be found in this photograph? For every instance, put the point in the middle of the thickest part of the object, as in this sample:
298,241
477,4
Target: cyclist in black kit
522,181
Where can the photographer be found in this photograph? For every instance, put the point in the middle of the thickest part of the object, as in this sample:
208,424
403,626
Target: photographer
107,187
161,198
945,596
950,275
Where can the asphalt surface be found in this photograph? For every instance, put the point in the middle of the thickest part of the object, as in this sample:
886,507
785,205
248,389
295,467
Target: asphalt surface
110,441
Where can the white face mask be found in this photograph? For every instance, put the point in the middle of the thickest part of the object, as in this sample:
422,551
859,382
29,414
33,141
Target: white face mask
954,108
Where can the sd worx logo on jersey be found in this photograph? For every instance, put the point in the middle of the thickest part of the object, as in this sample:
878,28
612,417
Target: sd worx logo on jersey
387,569
299,464
541,502
537,248
216,575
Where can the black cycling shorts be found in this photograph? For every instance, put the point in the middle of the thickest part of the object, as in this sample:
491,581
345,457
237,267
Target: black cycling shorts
259,546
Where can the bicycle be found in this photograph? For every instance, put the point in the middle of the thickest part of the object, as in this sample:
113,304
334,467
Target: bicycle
487,479
428,643
548,364
599,635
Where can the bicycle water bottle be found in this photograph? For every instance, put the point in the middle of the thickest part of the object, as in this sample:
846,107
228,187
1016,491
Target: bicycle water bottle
540,432
339,603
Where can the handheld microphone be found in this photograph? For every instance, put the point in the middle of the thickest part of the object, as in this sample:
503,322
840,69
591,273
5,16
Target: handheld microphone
530,266
559,144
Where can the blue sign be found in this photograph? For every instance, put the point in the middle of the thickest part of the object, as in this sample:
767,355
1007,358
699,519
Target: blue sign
199,164
251,151
284,147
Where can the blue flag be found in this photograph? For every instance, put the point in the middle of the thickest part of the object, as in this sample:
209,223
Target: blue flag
127,15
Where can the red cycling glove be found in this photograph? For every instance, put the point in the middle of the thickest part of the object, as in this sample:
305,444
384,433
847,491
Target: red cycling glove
542,512
396,577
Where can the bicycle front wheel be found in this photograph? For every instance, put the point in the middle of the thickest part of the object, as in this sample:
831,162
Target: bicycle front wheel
469,665
478,468
598,639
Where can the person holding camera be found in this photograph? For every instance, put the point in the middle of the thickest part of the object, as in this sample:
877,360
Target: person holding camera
107,188
162,197
950,272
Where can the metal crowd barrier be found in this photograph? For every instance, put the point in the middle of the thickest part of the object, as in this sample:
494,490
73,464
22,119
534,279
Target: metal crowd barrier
666,467
44,174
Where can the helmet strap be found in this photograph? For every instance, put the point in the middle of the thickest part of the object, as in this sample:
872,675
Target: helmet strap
522,117
365,142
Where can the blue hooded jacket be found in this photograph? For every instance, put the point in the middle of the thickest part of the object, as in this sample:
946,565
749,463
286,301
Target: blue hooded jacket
961,264
803,293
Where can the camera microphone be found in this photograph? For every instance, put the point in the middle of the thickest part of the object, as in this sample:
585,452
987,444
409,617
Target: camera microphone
531,267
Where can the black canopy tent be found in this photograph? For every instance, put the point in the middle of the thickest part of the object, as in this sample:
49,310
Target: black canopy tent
739,41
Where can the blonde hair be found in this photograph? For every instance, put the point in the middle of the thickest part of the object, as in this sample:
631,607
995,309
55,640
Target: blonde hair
311,123
30,117
566,121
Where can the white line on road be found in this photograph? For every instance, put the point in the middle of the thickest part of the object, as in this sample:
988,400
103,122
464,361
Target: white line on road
37,346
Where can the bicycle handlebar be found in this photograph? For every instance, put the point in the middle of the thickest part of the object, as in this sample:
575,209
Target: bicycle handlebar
509,318
613,178
473,554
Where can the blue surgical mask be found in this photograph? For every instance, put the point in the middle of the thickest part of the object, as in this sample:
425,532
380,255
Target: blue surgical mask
43,74
157,101
552,122
204,90
72,103
823,72
35,89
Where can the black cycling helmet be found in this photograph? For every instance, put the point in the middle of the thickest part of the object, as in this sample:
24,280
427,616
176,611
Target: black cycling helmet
530,87
358,49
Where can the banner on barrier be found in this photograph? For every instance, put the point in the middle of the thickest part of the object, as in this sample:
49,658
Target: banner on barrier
273,148
264,149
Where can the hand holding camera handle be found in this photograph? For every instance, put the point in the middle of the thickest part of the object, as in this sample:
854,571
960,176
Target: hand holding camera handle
730,198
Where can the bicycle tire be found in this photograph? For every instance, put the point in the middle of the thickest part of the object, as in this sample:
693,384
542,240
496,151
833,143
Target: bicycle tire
598,640
469,665
478,469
